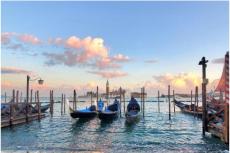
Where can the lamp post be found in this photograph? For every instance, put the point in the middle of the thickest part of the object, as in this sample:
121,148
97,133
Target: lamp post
40,81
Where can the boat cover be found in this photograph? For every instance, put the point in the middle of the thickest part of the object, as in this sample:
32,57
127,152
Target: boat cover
133,105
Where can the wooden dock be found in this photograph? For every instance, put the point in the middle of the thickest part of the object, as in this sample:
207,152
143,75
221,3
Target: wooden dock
5,122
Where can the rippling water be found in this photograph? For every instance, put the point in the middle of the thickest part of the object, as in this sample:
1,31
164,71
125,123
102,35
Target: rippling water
153,133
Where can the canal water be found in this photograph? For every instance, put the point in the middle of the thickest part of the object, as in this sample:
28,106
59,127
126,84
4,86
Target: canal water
153,133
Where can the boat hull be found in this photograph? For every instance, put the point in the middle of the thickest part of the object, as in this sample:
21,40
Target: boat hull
132,117
79,114
107,115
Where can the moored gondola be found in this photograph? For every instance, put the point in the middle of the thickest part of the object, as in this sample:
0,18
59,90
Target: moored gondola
110,112
133,111
189,109
89,112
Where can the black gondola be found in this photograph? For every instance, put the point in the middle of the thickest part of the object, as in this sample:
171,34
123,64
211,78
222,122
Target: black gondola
188,109
133,111
111,112
43,108
84,113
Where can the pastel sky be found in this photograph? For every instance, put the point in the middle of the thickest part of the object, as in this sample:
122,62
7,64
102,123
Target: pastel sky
79,45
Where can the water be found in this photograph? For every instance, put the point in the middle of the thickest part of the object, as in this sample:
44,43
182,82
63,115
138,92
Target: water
153,133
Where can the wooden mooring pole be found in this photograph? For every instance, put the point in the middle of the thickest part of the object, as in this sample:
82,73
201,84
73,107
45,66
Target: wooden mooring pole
196,99
51,102
27,96
174,101
204,83
158,99
169,102
39,106
13,96
91,98
141,101
5,97
74,99
31,95
143,89
120,101
123,93
62,98
17,96
191,101
97,96
64,103
21,97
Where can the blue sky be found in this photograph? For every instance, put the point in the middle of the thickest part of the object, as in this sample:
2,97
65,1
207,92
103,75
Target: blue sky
175,34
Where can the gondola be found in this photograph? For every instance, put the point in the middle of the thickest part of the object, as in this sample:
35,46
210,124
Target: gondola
188,109
89,112
43,108
133,111
110,112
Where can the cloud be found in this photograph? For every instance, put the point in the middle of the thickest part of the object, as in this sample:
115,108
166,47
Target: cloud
6,37
120,58
13,70
16,47
109,74
10,37
180,82
88,51
28,38
218,61
151,61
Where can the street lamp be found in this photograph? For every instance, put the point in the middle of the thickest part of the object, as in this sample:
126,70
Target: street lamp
40,82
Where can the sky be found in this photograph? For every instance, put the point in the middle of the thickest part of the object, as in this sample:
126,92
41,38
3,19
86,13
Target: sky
79,45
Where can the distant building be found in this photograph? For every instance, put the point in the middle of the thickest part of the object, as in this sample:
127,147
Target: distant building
88,94
137,94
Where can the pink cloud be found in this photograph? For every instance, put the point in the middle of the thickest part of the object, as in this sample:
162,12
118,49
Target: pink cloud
14,70
180,82
74,42
84,52
106,63
6,37
27,38
120,58
109,74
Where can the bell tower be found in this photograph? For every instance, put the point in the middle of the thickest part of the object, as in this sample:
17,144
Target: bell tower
107,90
